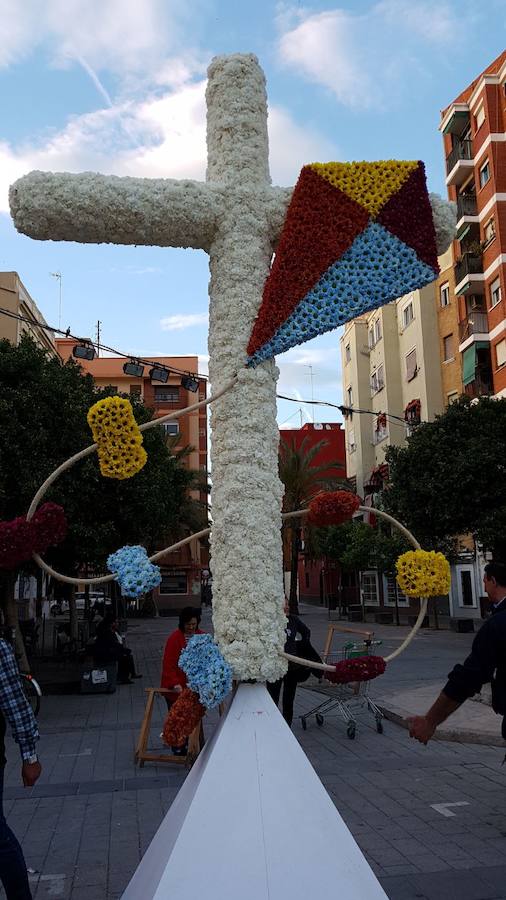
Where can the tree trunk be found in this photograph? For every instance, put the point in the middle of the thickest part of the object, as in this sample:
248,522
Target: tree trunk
294,572
10,611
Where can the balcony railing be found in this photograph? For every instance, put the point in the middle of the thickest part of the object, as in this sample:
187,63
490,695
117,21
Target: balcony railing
462,150
482,385
466,206
468,264
476,323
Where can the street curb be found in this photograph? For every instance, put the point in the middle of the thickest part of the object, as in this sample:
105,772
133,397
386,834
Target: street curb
461,736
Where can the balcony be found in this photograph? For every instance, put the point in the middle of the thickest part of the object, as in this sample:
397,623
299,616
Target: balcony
469,274
466,206
467,215
459,163
476,323
481,386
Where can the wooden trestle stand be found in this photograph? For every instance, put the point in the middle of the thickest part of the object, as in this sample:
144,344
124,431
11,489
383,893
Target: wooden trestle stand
142,755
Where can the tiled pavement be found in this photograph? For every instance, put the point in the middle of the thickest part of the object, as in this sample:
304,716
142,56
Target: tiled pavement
87,822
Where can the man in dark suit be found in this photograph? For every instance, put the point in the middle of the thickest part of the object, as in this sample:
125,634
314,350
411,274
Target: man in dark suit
486,663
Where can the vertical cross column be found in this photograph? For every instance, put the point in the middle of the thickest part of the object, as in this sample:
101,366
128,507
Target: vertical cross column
246,552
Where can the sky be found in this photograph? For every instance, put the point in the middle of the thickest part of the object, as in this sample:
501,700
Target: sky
117,86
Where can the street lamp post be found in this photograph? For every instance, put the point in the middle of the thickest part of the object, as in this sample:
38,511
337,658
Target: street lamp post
58,275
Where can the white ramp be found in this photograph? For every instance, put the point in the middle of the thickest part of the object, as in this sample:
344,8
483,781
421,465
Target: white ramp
253,821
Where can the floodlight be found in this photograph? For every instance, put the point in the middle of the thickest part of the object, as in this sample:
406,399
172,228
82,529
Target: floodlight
159,373
190,383
84,351
135,369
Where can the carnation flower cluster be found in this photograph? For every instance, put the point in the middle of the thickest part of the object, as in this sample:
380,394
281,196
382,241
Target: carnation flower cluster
206,671
423,573
332,508
133,570
356,236
20,539
119,440
361,668
183,717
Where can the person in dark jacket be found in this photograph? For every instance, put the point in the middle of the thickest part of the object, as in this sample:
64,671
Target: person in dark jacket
486,663
109,648
15,709
297,644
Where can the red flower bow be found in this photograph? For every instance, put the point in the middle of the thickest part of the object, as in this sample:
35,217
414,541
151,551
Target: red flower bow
184,716
332,508
361,668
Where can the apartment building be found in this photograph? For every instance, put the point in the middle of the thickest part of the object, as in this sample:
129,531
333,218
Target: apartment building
182,570
474,135
447,314
16,301
391,372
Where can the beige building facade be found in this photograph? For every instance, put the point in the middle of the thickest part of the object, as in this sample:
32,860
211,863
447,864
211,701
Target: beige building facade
391,371
15,299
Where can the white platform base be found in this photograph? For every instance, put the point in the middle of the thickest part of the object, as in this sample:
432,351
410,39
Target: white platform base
253,821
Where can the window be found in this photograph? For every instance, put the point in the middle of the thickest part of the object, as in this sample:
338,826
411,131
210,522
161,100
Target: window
351,441
444,294
167,394
347,353
349,395
479,117
448,347
452,397
171,427
484,173
369,589
392,592
380,431
370,338
407,315
500,353
136,389
377,380
377,330
174,583
495,293
489,230
411,366
111,388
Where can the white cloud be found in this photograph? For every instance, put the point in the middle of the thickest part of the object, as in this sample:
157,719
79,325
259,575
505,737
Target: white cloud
182,320
121,35
368,59
157,136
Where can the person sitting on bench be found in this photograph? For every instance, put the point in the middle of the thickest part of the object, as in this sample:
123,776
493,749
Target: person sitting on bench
109,648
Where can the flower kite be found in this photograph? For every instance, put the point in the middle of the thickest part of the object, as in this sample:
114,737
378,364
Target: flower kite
423,573
206,671
119,440
133,571
332,508
356,236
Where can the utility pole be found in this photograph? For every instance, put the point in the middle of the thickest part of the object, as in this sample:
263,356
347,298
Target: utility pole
98,337
59,276
312,389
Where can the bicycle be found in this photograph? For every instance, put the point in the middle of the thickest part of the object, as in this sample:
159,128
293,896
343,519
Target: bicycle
31,690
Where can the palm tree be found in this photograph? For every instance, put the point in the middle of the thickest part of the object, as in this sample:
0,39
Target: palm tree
302,481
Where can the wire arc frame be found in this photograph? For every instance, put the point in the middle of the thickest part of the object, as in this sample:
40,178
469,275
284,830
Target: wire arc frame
299,513
103,579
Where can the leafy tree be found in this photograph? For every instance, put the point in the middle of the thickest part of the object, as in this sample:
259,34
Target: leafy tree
356,545
450,478
43,407
302,480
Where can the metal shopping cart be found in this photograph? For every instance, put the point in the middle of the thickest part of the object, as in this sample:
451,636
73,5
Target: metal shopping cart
346,699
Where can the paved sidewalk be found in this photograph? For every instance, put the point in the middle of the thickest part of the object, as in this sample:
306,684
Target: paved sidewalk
430,820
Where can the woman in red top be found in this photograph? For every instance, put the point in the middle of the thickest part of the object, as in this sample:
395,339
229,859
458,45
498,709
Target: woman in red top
172,676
